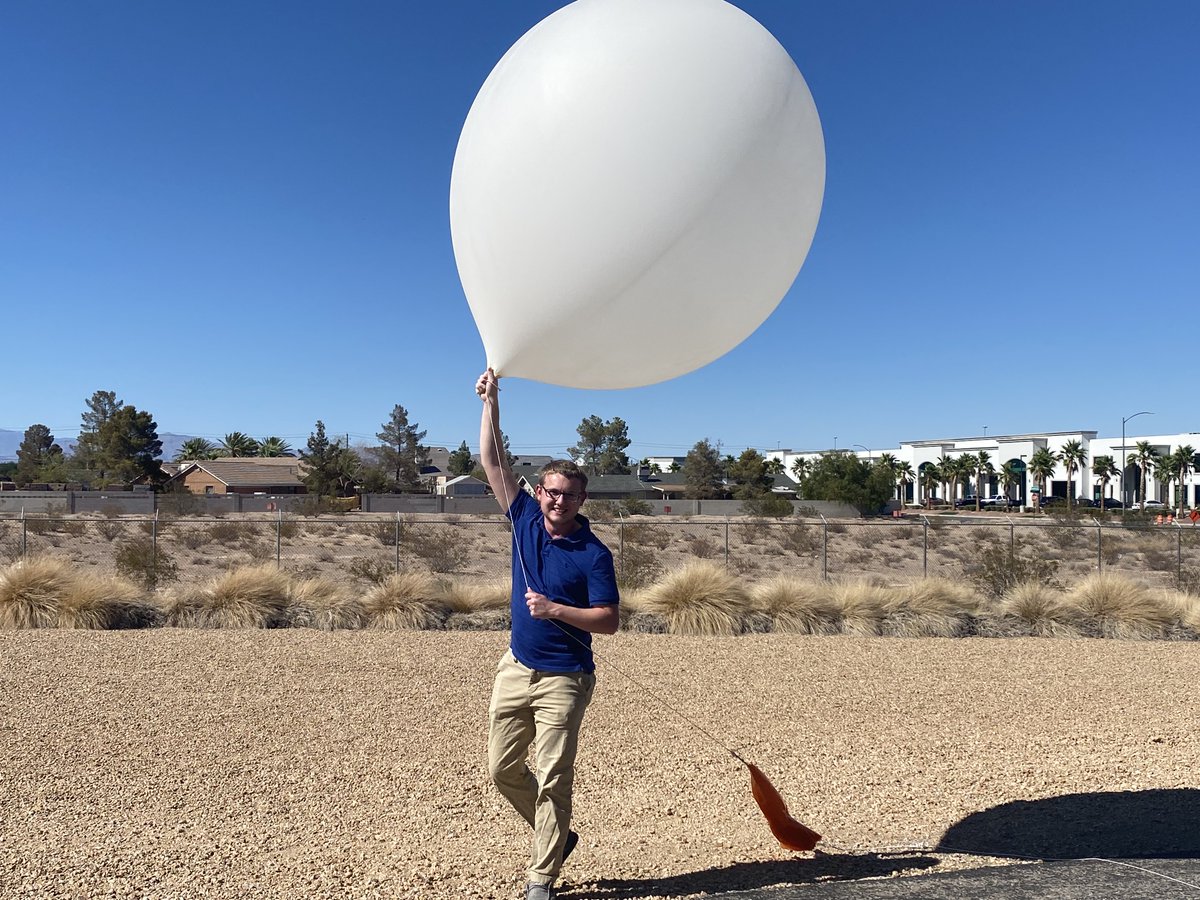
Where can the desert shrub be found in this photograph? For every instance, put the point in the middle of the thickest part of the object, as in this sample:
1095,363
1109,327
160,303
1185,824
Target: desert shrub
600,510
902,532
246,597
637,566
325,604
996,569
230,532
477,607
385,532
1188,580
837,528
1159,559
807,512
259,551
180,502
317,505
1037,609
288,527
800,539
649,535
109,528
865,536
104,602
374,569
407,600
702,547
141,561
38,525
771,506
751,531
194,538
635,506
440,548
73,527
1066,533
700,599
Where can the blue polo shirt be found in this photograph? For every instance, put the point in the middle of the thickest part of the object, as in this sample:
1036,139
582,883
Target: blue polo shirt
575,570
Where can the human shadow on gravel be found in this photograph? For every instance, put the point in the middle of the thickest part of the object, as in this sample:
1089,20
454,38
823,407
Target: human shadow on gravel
1157,824
825,867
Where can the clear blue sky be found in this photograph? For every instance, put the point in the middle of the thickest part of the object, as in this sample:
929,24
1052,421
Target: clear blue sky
234,214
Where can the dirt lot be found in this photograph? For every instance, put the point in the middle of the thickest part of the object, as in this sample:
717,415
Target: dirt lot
275,764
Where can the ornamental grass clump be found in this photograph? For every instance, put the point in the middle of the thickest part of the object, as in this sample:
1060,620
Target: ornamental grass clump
406,601
105,602
796,606
862,605
698,599
246,597
1112,606
1033,608
475,606
32,590
931,607
324,604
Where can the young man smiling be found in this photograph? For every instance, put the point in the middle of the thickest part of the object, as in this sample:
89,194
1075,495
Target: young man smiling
564,591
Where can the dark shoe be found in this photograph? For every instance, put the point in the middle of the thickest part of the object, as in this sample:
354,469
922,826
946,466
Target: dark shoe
538,892
572,840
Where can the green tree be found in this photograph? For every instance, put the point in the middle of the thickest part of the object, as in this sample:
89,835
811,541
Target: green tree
845,478
774,466
1143,456
37,453
980,466
931,479
602,445
1042,464
401,453
238,444
101,407
749,475
271,447
127,447
1104,468
702,472
1181,462
1010,477
1073,458
461,462
904,476
195,449
321,461
801,466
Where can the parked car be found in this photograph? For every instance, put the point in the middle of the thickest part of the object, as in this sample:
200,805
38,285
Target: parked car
1046,502
1149,504
964,502
1112,503
1000,501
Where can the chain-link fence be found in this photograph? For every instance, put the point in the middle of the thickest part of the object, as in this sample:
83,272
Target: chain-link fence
158,551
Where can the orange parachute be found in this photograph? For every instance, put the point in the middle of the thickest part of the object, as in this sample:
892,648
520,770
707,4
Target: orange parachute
790,833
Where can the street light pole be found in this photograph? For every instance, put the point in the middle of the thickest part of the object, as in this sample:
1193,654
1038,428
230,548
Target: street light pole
868,449
1124,486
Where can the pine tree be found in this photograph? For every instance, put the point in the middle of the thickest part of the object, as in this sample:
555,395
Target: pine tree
402,453
460,462
702,472
36,454
322,460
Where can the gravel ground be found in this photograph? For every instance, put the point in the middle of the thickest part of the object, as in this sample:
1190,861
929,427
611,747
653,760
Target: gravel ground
176,763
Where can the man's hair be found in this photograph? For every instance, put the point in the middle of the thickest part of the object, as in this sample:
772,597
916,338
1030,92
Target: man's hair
566,468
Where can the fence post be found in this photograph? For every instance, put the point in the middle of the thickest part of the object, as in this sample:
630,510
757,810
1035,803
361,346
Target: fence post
279,541
24,534
1012,539
726,543
925,548
397,542
1178,553
824,547
1100,546
621,544
154,546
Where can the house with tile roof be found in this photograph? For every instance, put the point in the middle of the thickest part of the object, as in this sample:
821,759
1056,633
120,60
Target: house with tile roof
242,475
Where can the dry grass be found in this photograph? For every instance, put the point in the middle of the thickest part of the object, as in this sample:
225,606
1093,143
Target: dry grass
1037,609
862,605
31,591
1113,606
324,604
795,605
247,597
408,600
931,607
477,607
105,602
698,599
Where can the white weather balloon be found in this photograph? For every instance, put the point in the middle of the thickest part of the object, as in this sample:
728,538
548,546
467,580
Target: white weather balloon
635,189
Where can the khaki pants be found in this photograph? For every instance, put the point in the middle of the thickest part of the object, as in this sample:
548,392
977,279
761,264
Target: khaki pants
545,709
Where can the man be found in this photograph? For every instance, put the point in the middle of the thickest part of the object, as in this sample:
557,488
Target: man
564,590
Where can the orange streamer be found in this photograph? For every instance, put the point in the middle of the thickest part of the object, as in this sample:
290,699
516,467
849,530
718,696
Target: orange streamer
790,833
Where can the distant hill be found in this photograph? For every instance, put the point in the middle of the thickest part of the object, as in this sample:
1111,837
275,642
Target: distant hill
11,440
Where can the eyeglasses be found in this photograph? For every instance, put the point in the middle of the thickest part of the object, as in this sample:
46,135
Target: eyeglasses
556,495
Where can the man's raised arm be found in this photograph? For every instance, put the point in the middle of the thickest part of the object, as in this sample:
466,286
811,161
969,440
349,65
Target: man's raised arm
491,450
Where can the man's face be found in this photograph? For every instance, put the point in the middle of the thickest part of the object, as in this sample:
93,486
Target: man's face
560,498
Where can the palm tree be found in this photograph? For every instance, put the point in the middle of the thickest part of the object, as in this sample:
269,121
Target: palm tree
237,444
274,446
981,464
904,477
947,466
800,469
931,477
1042,464
1010,475
1143,457
1163,472
773,466
1073,458
1104,468
1182,461
195,448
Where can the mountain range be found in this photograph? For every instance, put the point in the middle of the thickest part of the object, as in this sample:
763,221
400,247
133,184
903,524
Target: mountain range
11,440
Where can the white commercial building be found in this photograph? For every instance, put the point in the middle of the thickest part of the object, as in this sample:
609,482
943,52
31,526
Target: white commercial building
1017,449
